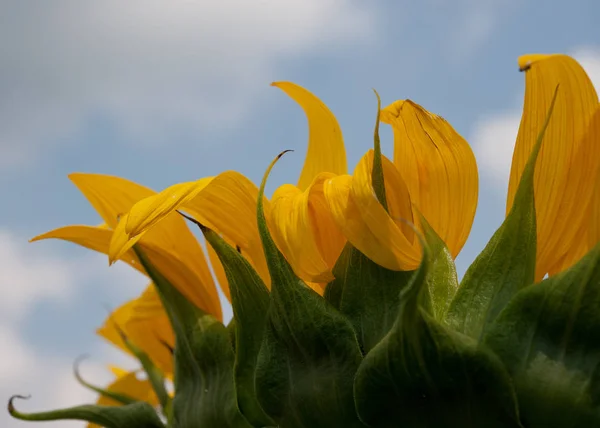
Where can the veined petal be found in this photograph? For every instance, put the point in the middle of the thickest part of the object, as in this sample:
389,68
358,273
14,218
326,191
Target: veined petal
145,322
566,161
113,197
384,238
326,152
439,169
96,238
225,203
305,231
110,196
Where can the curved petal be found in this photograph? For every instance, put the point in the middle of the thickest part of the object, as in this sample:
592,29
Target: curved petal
562,182
145,322
96,238
113,197
305,231
326,152
225,203
439,169
384,238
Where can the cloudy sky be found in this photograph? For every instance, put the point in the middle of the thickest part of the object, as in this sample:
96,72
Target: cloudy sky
167,91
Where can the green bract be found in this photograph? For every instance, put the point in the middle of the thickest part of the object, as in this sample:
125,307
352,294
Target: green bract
381,348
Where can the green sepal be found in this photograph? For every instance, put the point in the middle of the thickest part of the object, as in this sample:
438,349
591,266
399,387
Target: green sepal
309,353
115,396
250,302
506,264
156,377
442,279
368,295
422,374
138,415
377,178
203,358
548,337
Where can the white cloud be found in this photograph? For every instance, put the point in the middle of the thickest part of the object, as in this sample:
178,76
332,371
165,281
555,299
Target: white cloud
30,276
153,67
493,136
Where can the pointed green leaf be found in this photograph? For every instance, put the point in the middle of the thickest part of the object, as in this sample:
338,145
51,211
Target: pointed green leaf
139,415
442,280
548,337
156,377
422,374
377,178
250,302
507,263
203,355
115,396
309,353
369,295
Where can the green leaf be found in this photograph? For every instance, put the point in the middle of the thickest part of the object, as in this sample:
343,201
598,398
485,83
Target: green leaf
139,415
548,337
441,280
156,377
423,374
507,263
203,356
309,353
115,396
250,302
369,295
377,178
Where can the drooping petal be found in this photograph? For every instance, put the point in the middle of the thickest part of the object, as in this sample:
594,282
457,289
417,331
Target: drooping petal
113,197
96,238
386,238
439,169
225,203
144,321
326,152
562,183
305,231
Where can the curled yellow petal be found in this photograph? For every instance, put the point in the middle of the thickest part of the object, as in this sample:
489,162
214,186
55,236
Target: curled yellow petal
439,169
305,231
225,203
562,184
384,237
96,238
144,321
326,152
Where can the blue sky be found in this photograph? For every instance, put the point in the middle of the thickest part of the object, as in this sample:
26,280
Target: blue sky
161,92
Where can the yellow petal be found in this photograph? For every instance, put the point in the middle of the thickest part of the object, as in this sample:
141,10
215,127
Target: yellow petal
562,183
144,322
305,231
113,197
326,152
384,238
96,238
225,203
439,169
110,196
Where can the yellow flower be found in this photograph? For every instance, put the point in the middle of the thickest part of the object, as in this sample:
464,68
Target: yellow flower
172,247
565,185
434,172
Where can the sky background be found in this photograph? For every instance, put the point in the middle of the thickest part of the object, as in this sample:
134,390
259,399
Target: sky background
161,92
